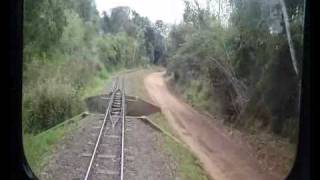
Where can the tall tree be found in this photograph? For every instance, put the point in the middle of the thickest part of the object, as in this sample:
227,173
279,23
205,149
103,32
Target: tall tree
291,47
43,24
119,19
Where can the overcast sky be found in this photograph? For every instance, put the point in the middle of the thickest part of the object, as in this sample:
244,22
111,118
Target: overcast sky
170,11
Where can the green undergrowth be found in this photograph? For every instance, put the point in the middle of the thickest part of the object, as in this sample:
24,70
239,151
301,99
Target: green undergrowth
97,84
197,94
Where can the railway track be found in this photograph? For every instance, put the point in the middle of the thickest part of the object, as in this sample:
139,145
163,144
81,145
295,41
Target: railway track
108,156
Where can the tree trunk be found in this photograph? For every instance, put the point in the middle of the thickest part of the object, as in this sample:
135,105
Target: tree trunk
287,26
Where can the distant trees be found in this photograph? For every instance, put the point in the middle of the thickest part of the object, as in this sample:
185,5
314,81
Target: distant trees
155,44
151,37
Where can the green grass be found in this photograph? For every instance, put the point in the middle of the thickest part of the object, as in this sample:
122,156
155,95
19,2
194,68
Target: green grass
197,94
188,165
96,86
38,148
102,80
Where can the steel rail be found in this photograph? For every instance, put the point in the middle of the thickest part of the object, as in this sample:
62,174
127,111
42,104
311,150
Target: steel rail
122,133
115,86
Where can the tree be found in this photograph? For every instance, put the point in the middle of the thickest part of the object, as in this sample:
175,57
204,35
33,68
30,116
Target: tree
73,35
287,25
154,43
161,27
43,24
105,24
119,19
86,9
195,15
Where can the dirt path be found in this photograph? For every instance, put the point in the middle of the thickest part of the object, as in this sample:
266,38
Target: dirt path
222,157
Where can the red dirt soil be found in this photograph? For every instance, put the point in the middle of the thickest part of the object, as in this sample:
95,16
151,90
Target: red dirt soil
221,156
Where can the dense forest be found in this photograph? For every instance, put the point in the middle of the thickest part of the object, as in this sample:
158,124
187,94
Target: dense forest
69,48
245,68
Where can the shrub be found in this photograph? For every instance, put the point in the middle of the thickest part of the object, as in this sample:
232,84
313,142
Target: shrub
48,104
52,91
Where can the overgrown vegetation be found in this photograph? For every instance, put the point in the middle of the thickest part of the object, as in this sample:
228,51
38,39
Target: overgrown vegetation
69,50
241,67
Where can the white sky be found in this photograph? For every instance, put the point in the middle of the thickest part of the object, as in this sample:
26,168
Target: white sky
170,11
